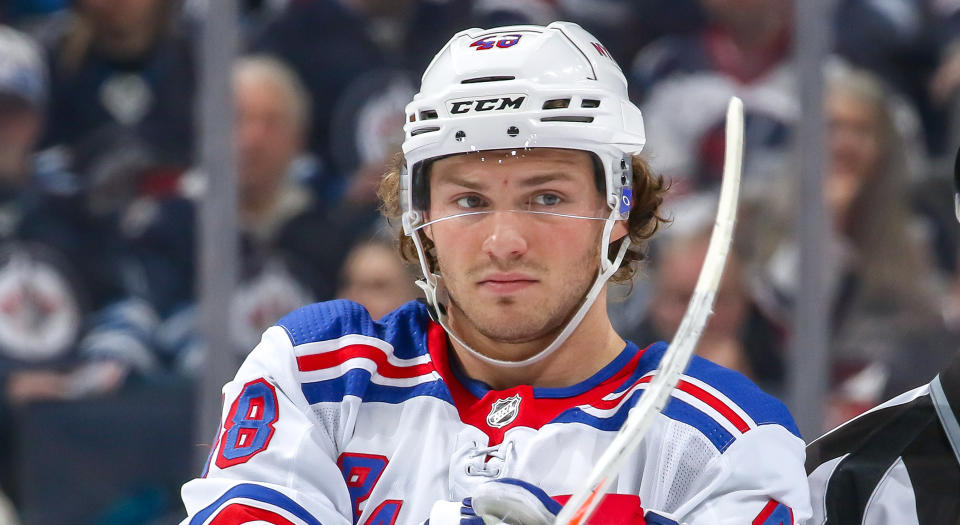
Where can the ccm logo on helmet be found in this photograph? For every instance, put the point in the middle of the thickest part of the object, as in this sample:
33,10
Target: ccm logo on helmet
509,102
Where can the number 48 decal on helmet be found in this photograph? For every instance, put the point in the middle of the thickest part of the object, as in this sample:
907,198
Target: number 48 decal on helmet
501,41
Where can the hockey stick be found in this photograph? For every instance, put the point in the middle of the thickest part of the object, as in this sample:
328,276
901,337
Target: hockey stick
956,185
675,360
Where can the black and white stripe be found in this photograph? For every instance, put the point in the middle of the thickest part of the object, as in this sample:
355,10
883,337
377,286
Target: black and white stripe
896,464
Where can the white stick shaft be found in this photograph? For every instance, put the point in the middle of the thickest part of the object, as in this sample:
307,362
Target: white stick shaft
675,360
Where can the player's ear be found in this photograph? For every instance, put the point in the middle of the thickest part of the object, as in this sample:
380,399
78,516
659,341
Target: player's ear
428,231
618,231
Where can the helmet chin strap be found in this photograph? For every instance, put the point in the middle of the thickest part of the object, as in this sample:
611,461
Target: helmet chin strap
431,287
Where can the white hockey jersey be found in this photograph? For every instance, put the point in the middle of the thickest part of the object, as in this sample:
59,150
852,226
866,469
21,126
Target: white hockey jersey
337,419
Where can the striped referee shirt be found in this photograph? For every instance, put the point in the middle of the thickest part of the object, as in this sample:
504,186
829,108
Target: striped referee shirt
898,463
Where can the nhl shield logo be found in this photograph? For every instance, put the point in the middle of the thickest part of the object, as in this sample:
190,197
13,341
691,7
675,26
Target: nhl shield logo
504,411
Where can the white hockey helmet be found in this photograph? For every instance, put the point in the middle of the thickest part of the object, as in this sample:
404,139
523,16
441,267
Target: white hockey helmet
520,87
516,88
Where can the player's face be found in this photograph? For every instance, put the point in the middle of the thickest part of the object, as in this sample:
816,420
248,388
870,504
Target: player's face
676,278
516,277
374,276
122,15
854,139
268,135
20,126
855,147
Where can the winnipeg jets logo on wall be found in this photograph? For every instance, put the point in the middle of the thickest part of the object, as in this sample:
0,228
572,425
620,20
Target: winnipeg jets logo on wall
504,411
39,310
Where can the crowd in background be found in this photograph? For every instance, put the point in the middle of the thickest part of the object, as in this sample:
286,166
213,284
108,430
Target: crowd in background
98,188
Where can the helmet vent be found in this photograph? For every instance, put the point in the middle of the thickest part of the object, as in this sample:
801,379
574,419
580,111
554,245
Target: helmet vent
421,131
567,118
557,103
480,80
590,103
428,114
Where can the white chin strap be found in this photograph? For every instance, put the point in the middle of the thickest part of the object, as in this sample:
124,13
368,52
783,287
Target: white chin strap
430,286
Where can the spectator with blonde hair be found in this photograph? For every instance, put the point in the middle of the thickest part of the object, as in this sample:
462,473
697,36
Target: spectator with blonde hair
880,272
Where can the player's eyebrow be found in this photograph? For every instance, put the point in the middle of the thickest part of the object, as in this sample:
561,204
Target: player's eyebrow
459,180
526,182
544,178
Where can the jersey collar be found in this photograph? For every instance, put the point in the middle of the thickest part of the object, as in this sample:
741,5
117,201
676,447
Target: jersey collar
476,400
479,389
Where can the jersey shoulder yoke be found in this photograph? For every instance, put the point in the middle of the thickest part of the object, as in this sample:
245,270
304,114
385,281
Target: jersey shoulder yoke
403,329
720,403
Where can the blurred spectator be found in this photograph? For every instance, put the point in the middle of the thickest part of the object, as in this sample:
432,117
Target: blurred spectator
276,212
375,276
23,88
56,264
684,82
675,277
272,120
883,302
736,336
290,245
359,60
117,168
122,62
912,45
944,84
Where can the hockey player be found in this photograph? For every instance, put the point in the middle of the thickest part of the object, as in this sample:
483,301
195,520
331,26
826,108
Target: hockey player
520,195
897,463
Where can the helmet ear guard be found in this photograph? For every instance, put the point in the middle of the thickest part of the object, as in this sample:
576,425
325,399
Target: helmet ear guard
410,216
621,187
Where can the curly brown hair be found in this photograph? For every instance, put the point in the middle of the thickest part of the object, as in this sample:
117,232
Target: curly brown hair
645,216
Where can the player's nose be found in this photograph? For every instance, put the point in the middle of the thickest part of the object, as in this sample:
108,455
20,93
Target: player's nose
505,240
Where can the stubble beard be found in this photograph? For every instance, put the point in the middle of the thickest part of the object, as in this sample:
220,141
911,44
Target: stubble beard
523,319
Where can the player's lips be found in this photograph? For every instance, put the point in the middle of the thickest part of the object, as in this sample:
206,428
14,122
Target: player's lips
507,282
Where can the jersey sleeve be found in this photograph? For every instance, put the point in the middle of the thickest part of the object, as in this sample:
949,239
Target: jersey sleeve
759,480
273,460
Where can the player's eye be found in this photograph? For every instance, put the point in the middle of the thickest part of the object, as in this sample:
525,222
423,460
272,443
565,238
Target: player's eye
470,202
547,199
